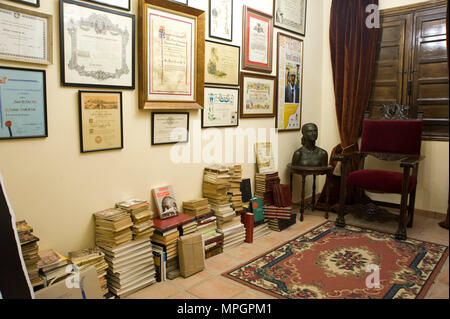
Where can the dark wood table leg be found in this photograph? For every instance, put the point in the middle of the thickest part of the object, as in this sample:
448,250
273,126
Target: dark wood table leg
313,203
327,198
302,200
290,185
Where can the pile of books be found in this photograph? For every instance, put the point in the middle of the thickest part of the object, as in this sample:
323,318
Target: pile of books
281,224
197,207
168,240
233,232
261,229
189,228
213,241
160,260
264,186
140,215
52,266
112,227
234,190
274,212
30,249
223,212
215,184
131,266
85,258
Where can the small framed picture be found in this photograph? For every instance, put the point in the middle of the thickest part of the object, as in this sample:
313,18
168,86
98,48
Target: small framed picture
34,3
23,103
290,15
257,40
170,128
221,107
221,19
258,95
222,63
101,126
120,4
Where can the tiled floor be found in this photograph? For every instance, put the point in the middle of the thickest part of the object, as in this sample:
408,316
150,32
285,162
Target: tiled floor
210,284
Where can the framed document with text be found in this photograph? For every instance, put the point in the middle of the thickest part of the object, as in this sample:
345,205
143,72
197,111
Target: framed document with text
121,4
290,15
34,3
170,128
222,63
100,121
23,103
257,40
258,95
221,19
290,82
221,107
172,48
97,46
26,35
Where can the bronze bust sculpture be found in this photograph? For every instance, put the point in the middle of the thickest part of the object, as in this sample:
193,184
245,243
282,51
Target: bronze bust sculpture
309,154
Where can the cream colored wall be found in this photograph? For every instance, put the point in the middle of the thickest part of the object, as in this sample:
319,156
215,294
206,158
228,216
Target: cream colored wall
56,188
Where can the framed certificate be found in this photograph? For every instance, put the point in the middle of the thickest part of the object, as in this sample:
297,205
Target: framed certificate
258,95
290,82
97,46
100,121
34,3
26,35
257,40
23,103
172,48
170,128
290,15
121,4
221,19
221,107
222,63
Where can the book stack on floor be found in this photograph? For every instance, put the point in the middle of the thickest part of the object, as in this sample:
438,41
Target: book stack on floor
131,266
264,186
280,215
112,227
281,224
234,190
52,266
140,215
84,258
197,207
223,212
168,240
213,240
216,181
274,212
188,228
30,250
160,260
233,232
261,229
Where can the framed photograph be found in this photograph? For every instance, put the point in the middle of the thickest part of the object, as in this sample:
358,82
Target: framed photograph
120,4
258,95
221,107
290,82
34,3
290,15
221,19
97,46
172,48
170,128
257,40
101,126
34,45
23,103
222,63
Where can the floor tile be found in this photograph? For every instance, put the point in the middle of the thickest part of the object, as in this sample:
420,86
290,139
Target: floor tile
159,290
188,282
438,291
253,294
220,263
216,288
183,295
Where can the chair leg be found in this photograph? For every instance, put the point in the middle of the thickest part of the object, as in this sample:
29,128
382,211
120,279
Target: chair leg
401,231
340,220
412,200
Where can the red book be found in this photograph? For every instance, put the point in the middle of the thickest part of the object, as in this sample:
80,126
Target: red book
248,219
172,222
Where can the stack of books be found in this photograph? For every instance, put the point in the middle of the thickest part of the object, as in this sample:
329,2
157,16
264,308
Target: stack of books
140,215
87,257
52,266
197,207
188,228
215,184
213,241
264,186
274,212
223,212
160,260
260,230
168,240
233,233
112,227
131,266
234,190
281,224
30,250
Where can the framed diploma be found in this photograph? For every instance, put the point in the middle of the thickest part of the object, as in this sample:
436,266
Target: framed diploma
221,19
120,4
290,82
26,35
258,95
290,15
221,107
170,128
23,103
172,48
34,3
257,41
100,121
97,46
222,63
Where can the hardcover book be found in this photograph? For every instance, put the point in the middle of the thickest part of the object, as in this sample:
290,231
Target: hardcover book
257,209
165,201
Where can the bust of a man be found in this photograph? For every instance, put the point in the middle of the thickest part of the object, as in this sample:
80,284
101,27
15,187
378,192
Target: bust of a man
309,154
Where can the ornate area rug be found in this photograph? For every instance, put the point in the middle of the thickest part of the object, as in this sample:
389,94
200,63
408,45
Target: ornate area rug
336,263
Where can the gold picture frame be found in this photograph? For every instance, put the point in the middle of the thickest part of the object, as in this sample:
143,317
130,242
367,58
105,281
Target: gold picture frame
174,83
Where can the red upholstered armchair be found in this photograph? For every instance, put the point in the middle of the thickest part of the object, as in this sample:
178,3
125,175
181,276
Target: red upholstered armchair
393,137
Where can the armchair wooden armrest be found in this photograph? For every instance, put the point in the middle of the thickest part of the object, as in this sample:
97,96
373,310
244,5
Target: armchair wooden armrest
411,161
344,157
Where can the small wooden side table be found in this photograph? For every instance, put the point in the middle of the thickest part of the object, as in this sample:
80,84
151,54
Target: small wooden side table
304,171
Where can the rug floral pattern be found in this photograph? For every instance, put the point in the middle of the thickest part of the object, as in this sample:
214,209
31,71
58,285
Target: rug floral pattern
335,263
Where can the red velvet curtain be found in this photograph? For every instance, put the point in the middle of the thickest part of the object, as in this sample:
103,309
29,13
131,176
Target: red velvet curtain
353,51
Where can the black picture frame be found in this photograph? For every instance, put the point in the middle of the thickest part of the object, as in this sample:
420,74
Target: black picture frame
44,97
65,82
168,143
37,4
287,29
80,117
238,65
128,8
238,99
209,23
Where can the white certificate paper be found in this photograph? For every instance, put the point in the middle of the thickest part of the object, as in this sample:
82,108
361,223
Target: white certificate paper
258,41
221,13
170,128
221,107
